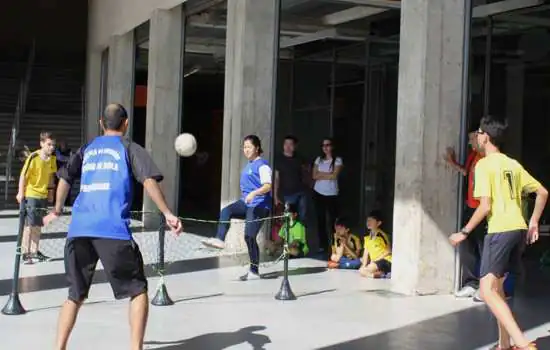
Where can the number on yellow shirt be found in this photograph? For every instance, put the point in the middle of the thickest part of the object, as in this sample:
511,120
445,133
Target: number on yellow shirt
509,176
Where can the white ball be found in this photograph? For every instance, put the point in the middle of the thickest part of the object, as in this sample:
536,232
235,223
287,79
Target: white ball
185,145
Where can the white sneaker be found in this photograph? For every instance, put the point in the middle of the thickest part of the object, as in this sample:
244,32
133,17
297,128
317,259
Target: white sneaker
466,292
214,243
477,297
250,276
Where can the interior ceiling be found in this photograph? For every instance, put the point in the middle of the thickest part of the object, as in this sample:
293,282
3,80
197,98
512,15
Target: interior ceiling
311,28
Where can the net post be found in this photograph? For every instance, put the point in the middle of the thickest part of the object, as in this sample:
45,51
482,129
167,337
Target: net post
285,292
161,297
13,305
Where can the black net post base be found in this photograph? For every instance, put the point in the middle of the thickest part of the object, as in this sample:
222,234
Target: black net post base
285,292
13,307
161,297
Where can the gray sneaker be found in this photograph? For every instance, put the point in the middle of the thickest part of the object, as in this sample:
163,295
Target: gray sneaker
466,292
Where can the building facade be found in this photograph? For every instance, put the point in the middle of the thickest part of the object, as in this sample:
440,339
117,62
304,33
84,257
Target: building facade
292,66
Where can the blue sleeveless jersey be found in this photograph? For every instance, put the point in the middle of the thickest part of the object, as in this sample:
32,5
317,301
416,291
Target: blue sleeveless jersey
250,181
102,208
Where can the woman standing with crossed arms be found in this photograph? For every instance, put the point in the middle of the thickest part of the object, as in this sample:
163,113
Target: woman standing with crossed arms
325,192
254,204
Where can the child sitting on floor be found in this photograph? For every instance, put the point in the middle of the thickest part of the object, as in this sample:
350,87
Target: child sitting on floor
346,247
297,237
376,261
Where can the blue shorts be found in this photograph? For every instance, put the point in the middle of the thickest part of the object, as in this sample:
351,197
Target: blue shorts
347,263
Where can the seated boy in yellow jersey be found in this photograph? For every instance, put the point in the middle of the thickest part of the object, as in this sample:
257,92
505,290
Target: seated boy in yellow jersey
376,261
346,248
36,185
499,183
297,248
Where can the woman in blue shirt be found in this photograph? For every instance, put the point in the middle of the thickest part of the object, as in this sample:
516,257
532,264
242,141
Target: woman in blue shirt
254,204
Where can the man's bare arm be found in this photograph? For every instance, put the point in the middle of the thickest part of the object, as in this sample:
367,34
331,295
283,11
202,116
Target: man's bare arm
481,212
540,203
63,189
153,190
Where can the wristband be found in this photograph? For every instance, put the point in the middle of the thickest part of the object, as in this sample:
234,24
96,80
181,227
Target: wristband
464,232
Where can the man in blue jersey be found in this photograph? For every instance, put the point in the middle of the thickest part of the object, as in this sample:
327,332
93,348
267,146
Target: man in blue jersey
99,228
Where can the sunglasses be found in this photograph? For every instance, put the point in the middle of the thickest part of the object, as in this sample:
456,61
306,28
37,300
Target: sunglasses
326,145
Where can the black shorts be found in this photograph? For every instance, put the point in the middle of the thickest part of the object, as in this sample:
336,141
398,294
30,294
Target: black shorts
502,253
35,211
122,263
383,265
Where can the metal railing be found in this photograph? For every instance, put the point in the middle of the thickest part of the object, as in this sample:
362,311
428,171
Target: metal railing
19,110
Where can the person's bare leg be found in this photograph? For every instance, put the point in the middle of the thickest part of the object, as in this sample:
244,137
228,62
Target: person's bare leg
369,271
503,336
501,310
67,319
139,310
26,240
35,239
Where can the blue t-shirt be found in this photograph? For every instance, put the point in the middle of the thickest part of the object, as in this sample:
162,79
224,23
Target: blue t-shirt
250,181
106,167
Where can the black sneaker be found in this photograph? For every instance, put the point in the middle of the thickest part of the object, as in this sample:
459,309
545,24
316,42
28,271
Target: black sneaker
41,257
27,259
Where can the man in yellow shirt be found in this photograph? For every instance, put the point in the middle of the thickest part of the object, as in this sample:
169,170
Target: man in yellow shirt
36,185
376,261
499,184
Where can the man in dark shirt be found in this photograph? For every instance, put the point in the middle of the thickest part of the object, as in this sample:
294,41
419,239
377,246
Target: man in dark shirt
99,229
290,176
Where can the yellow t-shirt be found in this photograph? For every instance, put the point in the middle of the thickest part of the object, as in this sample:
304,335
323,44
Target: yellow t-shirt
503,180
376,245
38,173
354,243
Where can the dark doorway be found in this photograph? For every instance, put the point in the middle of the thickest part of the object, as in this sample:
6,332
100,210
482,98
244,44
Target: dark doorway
200,175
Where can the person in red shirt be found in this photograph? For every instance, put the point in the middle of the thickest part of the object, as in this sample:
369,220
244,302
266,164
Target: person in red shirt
470,251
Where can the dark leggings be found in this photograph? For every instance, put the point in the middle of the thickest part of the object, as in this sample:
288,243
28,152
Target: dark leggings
327,210
240,210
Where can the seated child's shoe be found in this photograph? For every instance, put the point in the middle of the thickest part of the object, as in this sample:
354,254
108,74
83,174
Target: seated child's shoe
333,265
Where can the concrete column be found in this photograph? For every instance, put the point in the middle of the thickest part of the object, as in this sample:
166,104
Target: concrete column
164,91
250,78
120,82
93,91
428,117
515,84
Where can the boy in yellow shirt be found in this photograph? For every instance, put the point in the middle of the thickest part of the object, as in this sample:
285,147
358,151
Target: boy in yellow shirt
376,261
346,249
36,185
499,184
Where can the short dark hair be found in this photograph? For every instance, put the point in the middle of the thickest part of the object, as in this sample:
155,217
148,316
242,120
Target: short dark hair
341,221
376,215
114,116
292,208
292,138
494,128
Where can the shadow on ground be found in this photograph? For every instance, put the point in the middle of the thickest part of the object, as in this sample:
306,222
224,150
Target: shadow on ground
218,341
469,329
294,272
